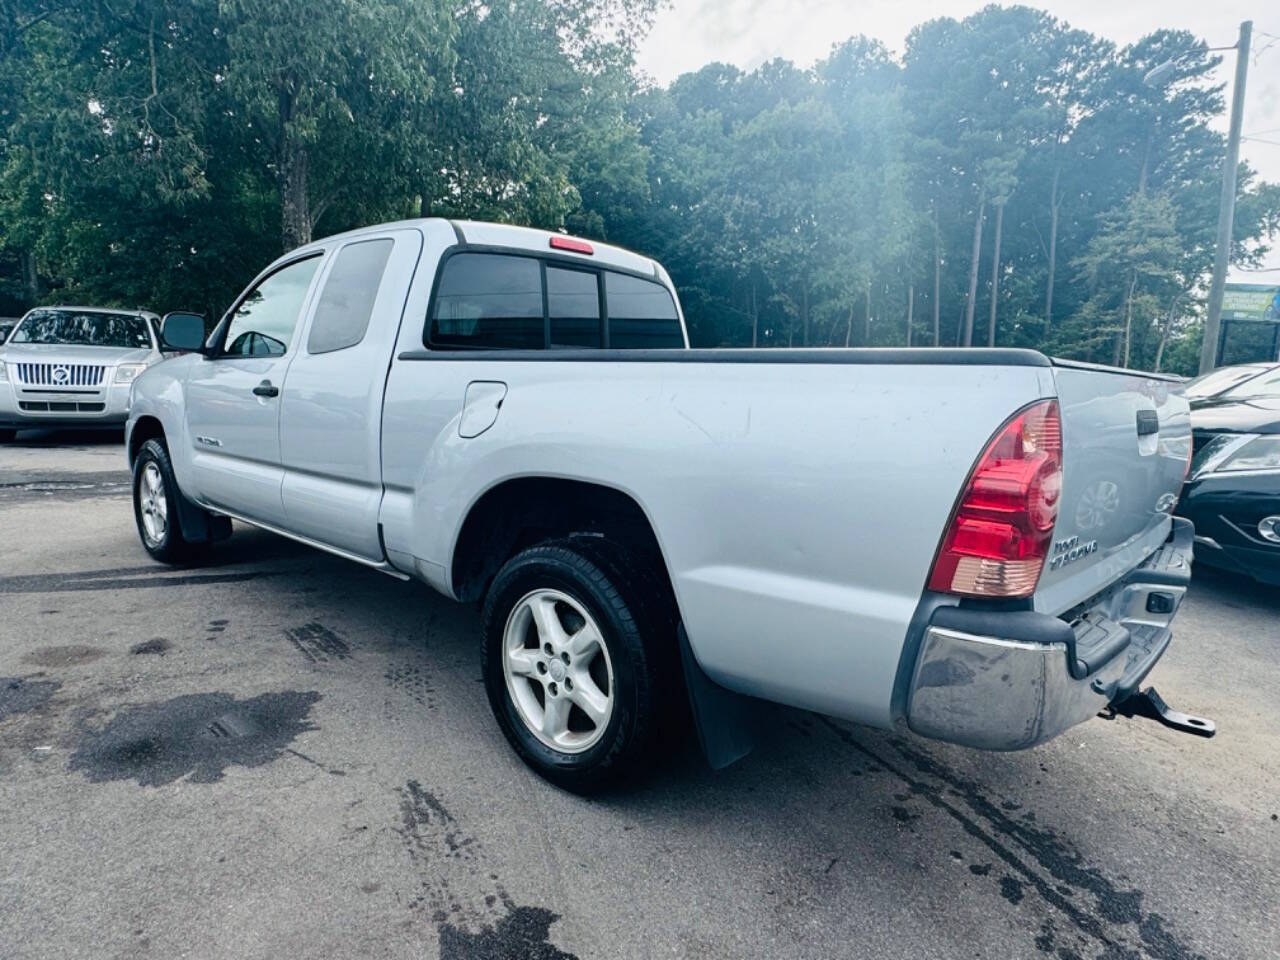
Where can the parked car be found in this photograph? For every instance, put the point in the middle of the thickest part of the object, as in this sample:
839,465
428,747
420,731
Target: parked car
6,327
73,367
1220,382
1233,491
897,537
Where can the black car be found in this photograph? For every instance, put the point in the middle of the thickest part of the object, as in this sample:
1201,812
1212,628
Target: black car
1232,493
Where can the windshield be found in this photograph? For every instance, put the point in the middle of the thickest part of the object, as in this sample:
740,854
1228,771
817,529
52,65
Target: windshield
82,327
1217,381
1266,385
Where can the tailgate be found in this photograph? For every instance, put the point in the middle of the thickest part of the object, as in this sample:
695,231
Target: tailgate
1126,439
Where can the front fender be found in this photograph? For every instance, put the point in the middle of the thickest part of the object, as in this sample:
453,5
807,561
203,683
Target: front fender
160,393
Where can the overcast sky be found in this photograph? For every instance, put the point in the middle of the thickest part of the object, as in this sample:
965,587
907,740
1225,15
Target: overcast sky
691,33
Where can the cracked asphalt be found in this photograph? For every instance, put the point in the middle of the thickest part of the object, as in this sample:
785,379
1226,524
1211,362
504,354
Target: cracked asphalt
284,754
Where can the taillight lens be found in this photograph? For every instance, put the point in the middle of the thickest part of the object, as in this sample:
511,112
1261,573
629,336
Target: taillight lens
999,534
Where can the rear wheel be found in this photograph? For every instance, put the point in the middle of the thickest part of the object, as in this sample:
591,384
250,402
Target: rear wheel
155,506
572,677
6,436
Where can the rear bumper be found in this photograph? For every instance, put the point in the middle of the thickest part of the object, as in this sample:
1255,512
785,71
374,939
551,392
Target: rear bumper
1001,680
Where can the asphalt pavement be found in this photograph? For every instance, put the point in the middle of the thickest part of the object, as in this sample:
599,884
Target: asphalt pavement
283,754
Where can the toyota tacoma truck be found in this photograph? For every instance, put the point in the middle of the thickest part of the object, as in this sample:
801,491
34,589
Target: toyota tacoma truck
976,545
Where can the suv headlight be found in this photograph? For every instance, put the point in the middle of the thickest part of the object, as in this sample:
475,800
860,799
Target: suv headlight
4,372
128,372
1260,453
1236,453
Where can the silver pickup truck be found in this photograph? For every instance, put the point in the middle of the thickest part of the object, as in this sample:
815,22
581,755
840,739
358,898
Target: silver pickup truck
976,545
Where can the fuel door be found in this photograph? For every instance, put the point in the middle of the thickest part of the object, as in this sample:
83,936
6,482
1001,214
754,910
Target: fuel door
480,407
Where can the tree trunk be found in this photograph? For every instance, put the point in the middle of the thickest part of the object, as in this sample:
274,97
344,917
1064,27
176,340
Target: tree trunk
1054,204
30,278
848,327
295,218
911,304
295,221
1164,333
1146,163
755,317
995,277
804,315
1128,324
866,332
937,276
974,253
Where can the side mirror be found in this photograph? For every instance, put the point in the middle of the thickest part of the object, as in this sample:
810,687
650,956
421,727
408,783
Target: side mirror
182,332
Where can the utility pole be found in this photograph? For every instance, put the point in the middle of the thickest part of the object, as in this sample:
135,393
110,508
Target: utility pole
1227,206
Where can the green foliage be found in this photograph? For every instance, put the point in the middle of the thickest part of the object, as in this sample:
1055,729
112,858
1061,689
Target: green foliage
159,152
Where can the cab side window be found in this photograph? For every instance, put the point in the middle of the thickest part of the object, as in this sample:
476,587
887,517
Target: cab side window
346,303
642,314
263,324
487,300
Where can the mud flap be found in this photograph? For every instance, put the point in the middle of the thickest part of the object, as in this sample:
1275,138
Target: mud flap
199,525
728,723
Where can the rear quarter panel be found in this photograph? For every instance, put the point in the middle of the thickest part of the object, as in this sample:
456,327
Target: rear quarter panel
1118,490
798,507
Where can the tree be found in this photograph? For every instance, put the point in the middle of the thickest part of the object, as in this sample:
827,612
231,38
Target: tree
333,93
158,153
1132,260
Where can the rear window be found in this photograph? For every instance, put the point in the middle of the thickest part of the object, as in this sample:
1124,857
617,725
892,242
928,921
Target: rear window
487,300
511,301
573,304
642,314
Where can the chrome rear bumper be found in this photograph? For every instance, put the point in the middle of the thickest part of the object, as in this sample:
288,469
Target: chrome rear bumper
1011,680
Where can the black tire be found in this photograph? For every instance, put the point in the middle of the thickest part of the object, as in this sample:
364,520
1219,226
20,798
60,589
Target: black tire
633,620
171,546
7,436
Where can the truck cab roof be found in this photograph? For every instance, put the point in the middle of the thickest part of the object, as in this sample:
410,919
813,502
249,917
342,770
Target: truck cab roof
477,233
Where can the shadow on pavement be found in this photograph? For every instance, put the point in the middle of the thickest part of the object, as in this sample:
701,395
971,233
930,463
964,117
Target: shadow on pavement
1233,588
44,439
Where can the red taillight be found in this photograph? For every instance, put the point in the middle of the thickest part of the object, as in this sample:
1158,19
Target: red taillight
568,243
999,534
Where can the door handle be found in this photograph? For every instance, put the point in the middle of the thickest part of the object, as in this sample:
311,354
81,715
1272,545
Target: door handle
265,389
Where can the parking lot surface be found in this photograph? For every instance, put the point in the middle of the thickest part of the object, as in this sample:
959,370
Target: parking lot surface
282,754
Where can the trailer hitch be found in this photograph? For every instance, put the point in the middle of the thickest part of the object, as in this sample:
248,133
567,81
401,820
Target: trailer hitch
1148,703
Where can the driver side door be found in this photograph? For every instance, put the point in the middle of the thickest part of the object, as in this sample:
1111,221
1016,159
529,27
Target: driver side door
232,399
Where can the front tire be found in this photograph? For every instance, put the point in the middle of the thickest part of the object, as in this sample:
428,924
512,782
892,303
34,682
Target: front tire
571,680
155,506
7,436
